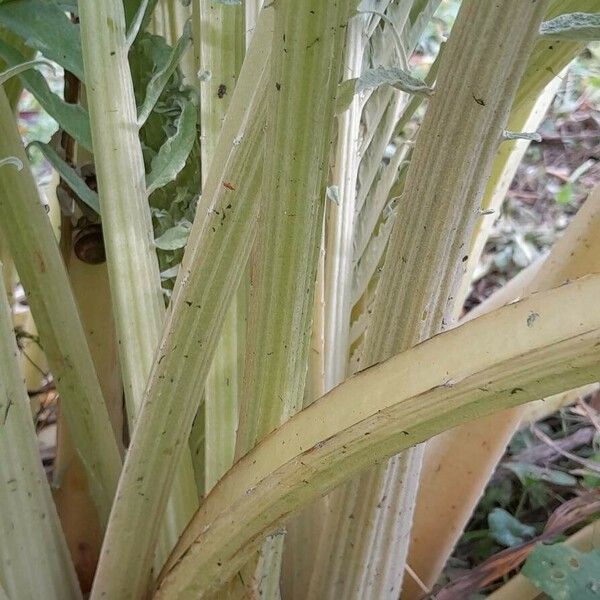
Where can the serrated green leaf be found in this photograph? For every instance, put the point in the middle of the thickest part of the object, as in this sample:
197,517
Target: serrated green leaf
394,76
174,238
506,529
173,154
69,176
159,80
580,27
43,26
71,117
527,473
17,69
564,573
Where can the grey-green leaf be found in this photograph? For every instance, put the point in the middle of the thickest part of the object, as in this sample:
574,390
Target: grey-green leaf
394,76
69,176
173,154
174,238
71,117
159,80
43,26
564,573
18,69
506,529
580,27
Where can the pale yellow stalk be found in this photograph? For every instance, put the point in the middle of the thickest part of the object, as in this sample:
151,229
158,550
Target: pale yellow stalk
493,362
470,453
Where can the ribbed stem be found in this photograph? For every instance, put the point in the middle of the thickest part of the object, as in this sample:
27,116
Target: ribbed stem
479,73
307,56
211,271
488,364
138,304
220,49
30,239
34,559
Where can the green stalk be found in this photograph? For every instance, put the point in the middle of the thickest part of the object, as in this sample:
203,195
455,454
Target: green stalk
486,365
480,70
341,217
307,53
251,12
30,239
212,268
136,293
221,51
34,559
284,260
127,227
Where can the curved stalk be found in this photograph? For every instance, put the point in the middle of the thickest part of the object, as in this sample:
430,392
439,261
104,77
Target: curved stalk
493,362
307,55
470,453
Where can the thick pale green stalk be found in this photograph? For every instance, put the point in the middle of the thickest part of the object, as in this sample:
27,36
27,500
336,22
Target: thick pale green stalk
30,239
221,43
527,117
493,362
138,304
307,56
219,48
211,271
340,217
221,396
34,559
127,226
480,69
